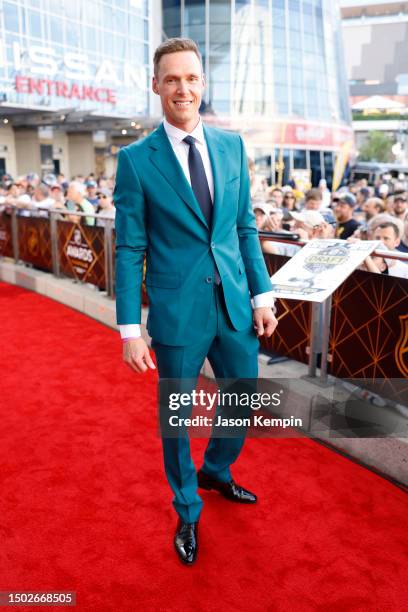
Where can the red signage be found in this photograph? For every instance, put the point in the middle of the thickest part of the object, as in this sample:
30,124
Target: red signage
283,133
63,89
314,134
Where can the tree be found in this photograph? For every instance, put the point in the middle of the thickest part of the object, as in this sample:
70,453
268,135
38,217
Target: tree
377,148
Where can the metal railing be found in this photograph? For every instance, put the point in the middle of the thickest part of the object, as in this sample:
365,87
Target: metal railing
102,252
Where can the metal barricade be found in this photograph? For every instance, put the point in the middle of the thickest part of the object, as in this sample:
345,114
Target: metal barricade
48,241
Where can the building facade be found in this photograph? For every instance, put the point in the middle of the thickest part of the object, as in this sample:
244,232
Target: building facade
275,72
376,51
75,80
72,73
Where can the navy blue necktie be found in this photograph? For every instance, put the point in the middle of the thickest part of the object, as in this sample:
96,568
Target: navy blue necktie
200,187
198,179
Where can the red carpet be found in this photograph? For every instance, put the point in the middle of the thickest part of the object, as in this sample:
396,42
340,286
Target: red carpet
84,505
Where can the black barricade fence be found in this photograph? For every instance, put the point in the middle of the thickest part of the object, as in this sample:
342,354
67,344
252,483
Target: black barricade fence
6,241
292,336
81,252
369,330
34,242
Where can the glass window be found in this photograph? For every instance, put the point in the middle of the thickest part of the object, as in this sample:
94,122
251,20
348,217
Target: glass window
119,46
328,167
91,13
315,166
220,71
299,159
171,17
92,42
34,24
120,22
278,17
55,28
108,17
108,45
10,17
136,51
279,37
72,34
136,28
70,9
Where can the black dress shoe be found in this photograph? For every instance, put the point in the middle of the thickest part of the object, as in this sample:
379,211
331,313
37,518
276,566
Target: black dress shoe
186,541
230,489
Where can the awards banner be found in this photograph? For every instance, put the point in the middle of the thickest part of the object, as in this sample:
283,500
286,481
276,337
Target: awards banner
316,271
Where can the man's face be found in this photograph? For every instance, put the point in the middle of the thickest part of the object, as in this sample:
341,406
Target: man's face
312,204
180,84
387,237
343,212
400,206
369,208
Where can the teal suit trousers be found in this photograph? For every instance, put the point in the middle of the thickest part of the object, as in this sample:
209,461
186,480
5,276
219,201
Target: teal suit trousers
232,354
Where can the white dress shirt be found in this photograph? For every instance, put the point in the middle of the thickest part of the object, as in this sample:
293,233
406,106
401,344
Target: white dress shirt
181,149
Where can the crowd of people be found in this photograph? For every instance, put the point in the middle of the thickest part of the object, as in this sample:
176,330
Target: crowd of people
354,212
33,196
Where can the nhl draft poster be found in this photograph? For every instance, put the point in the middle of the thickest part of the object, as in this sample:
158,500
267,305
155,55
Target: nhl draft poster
319,268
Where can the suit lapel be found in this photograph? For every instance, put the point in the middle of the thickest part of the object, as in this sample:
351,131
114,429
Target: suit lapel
217,157
166,162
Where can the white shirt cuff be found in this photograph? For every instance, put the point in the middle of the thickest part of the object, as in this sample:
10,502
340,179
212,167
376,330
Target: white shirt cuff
130,331
264,300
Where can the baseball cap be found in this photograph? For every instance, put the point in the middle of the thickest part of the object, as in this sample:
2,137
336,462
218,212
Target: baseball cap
347,198
91,184
400,196
308,217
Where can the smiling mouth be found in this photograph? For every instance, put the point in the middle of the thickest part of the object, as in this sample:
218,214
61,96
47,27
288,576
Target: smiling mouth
183,103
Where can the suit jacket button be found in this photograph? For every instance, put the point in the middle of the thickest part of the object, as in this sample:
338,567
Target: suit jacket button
208,279
213,245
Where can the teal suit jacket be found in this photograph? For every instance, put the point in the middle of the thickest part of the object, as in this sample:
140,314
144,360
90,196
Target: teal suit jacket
158,215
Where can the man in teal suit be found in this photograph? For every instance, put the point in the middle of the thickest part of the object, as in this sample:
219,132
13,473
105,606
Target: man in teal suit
182,200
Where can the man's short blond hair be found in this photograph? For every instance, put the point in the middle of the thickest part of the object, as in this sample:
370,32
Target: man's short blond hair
173,45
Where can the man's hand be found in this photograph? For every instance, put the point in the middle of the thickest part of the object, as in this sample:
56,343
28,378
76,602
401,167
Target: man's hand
265,321
136,355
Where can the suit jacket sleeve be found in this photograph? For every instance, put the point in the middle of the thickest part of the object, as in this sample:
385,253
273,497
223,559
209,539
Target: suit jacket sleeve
256,271
131,241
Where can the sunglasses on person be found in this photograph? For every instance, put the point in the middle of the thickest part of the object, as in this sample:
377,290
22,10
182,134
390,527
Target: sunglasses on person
290,197
101,195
